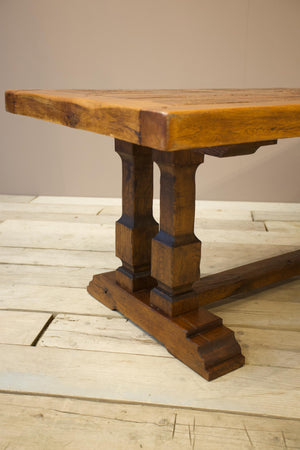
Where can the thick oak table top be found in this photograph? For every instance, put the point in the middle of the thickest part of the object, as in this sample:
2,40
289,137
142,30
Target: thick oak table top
168,119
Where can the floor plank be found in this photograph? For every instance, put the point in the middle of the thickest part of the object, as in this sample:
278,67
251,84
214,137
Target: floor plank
147,379
57,235
66,258
244,237
247,206
204,204
264,347
288,291
101,218
47,275
53,299
35,422
104,334
16,198
72,200
84,236
219,256
64,299
49,249
259,313
290,215
51,208
18,327
285,227
200,212
213,224
215,256
260,346
64,217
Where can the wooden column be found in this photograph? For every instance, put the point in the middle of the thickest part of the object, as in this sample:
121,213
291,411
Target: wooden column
136,227
175,249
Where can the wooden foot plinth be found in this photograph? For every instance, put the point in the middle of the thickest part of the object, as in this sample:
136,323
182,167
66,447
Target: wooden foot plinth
197,338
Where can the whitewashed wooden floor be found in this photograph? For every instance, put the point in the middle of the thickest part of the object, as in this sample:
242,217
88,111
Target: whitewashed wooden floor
74,374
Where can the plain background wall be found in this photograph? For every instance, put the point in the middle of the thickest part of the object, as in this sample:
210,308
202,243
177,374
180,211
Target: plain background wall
132,44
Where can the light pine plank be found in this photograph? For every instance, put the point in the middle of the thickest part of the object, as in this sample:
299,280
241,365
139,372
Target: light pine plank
200,204
200,212
51,299
260,346
218,256
271,351
147,379
15,278
65,258
18,327
284,227
57,235
32,296
47,275
51,208
215,256
286,292
62,217
71,200
274,348
95,237
248,206
257,312
100,218
104,334
213,224
222,214
16,198
244,237
287,216
56,275
35,422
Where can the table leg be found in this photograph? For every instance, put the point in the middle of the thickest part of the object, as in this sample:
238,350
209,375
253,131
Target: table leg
175,249
136,227
196,337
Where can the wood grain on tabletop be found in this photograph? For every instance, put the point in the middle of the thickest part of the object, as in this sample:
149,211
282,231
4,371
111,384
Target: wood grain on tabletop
168,119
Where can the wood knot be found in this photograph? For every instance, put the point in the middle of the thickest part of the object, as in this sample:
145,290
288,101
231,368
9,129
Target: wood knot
71,119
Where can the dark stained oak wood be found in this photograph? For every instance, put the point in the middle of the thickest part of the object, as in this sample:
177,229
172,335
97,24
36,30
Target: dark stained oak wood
175,249
224,151
168,119
136,227
199,339
247,278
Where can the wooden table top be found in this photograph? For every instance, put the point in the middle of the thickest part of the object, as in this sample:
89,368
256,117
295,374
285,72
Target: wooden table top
168,119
